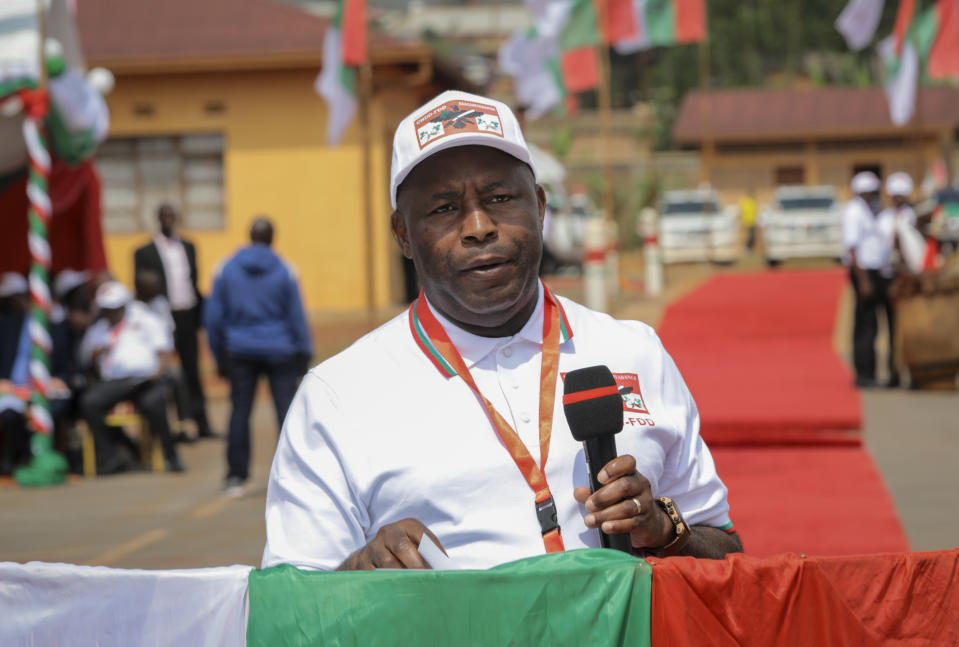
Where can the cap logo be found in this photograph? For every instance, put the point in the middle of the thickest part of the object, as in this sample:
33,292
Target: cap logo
455,117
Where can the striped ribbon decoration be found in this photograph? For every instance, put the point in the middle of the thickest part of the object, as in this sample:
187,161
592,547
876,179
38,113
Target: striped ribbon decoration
39,213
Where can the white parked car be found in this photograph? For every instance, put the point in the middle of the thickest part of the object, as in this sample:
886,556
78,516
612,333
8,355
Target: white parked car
694,226
802,222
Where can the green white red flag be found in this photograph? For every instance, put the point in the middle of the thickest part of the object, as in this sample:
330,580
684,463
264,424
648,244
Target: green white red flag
344,49
658,23
922,45
559,55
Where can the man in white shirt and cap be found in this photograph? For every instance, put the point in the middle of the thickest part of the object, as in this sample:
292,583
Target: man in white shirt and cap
447,421
868,237
130,347
899,189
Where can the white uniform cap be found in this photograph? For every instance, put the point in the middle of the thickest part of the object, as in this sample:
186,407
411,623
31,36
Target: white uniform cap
452,119
12,283
112,295
864,182
67,280
899,183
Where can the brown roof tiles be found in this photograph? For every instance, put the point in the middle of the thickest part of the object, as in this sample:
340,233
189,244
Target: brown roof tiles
131,32
752,114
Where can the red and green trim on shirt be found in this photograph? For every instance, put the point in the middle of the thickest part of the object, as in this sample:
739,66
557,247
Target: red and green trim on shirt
422,337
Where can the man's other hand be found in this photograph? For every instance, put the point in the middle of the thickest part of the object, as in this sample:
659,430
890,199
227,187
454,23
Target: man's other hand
394,546
625,505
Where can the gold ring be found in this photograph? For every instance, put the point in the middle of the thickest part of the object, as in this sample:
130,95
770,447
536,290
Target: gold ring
639,506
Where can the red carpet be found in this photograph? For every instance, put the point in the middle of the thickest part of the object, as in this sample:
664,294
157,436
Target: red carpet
756,351
779,411
809,500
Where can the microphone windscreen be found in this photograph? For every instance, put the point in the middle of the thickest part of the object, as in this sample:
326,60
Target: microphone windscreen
592,403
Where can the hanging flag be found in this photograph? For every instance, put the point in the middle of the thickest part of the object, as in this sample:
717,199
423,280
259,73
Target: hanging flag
532,60
556,58
344,48
944,54
904,55
858,22
578,42
621,21
661,23
902,79
559,57
904,14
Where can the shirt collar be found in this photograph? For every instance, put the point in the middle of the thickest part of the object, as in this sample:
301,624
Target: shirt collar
474,348
160,239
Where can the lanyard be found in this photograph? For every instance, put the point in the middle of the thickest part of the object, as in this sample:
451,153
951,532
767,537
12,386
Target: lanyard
435,343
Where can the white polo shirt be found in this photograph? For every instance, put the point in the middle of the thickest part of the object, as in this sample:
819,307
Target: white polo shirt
377,434
872,237
132,345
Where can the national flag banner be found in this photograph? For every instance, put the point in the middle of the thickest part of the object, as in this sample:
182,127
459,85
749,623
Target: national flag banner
344,48
556,58
621,21
904,14
531,60
944,53
858,22
597,597
578,42
905,55
902,79
562,47
661,23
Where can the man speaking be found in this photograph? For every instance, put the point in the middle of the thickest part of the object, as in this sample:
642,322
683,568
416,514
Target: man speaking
446,420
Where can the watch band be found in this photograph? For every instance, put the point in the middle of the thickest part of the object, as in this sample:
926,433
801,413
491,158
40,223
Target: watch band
681,528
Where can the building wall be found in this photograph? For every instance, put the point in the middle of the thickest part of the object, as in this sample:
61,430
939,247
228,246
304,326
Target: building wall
276,162
734,171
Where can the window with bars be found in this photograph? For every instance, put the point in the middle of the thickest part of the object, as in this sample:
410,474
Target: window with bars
141,173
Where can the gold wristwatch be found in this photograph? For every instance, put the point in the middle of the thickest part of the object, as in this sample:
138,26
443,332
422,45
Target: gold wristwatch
680,527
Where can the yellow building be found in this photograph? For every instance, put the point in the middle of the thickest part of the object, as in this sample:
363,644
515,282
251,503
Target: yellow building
214,110
753,140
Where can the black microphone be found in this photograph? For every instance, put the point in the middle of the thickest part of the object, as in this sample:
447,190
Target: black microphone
594,411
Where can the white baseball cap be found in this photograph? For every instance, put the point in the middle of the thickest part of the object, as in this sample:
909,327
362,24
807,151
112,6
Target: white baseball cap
67,280
864,182
112,295
12,283
899,183
452,119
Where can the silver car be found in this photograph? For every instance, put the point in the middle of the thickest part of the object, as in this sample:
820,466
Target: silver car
802,222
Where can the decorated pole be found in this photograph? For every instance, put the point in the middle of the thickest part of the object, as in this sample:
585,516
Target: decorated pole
39,221
46,466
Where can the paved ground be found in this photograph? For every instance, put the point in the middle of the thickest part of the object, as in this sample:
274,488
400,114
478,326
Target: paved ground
182,521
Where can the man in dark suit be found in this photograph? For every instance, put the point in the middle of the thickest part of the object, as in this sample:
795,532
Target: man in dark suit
174,260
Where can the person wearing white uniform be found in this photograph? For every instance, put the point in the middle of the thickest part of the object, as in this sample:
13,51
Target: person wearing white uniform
868,237
130,348
448,421
899,188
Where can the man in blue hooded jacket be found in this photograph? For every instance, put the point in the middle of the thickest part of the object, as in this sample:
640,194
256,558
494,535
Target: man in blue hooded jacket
256,326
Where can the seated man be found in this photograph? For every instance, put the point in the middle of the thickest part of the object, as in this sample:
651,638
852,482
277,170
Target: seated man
14,371
72,315
148,286
447,421
130,348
